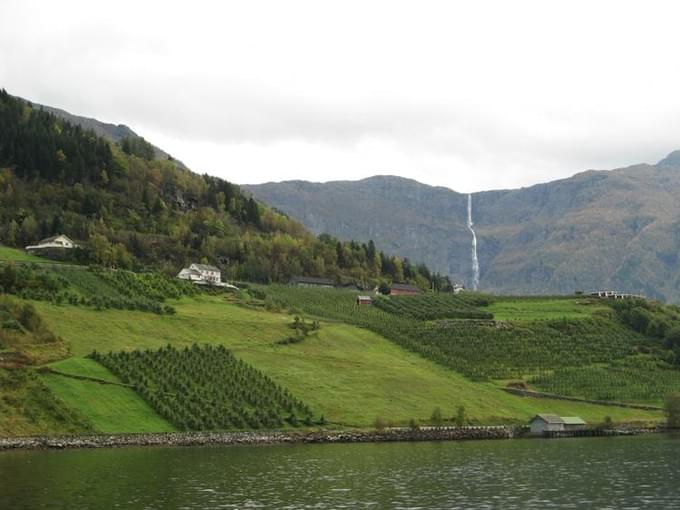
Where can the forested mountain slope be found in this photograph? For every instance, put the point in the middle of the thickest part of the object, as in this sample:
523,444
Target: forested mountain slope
130,209
598,229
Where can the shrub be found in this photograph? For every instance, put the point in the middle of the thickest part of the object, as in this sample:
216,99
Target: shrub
380,423
436,417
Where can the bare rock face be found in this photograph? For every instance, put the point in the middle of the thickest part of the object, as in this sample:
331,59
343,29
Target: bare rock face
598,229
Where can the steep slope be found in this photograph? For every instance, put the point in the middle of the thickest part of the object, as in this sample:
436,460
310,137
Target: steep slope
127,208
597,229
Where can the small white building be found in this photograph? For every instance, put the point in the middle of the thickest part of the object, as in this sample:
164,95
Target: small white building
58,241
202,274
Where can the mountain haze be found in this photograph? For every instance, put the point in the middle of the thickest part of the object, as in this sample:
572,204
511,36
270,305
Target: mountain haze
598,229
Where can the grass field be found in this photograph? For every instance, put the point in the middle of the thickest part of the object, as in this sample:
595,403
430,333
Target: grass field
350,375
109,408
528,309
12,254
198,320
28,407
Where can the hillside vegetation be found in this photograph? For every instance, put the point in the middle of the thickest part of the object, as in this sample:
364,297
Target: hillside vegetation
129,209
110,341
349,375
547,335
206,388
351,367
108,408
93,287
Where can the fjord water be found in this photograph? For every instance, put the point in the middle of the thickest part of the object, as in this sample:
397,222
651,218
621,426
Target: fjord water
624,472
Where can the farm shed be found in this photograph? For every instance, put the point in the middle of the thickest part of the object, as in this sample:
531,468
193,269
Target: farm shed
542,423
364,300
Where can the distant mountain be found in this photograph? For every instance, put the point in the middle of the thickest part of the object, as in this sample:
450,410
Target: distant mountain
616,229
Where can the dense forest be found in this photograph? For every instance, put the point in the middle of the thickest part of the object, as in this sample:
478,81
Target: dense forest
130,210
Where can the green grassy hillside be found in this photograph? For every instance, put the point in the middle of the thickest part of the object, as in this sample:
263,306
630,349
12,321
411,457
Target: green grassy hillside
348,374
108,408
28,407
15,255
395,361
518,309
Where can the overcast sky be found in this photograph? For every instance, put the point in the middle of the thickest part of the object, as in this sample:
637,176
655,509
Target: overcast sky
469,95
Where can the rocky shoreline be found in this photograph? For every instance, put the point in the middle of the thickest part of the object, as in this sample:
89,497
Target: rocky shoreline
256,438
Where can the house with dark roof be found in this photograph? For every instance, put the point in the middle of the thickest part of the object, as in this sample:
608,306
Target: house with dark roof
403,289
310,281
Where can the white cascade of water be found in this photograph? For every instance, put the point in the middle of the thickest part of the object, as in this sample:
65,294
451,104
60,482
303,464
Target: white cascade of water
475,261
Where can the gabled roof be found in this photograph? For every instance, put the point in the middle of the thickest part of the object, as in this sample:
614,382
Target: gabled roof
54,238
190,270
573,420
205,267
552,419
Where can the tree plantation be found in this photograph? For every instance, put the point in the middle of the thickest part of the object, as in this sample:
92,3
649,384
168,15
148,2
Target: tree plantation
487,349
206,388
94,287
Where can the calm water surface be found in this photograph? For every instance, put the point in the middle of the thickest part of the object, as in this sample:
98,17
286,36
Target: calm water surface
640,472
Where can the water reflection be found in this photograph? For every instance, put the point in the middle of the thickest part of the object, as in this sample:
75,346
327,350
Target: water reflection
579,473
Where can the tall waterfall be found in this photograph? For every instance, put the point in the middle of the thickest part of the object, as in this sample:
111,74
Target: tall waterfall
475,261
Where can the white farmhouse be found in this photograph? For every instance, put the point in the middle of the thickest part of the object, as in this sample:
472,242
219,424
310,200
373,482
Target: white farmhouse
58,241
204,274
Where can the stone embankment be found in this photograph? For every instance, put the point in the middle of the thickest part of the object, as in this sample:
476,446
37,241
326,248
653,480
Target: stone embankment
254,438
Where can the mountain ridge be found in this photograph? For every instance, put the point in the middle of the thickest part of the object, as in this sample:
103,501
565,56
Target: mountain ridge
596,229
